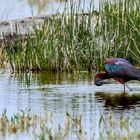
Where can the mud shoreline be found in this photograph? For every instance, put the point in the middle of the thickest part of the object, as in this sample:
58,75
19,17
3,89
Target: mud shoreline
21,27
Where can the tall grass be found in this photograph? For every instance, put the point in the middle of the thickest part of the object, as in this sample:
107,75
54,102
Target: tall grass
63,44
120,26
38,127
77,42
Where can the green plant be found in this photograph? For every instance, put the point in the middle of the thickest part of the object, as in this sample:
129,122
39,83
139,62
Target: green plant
78,42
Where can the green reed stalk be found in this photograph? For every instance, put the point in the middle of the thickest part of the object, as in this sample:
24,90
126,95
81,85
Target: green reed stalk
77,42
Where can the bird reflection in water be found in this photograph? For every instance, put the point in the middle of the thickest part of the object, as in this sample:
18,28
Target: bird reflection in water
120,101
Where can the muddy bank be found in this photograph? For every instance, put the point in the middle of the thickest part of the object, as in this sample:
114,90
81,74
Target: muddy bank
20,26
10,29
25,25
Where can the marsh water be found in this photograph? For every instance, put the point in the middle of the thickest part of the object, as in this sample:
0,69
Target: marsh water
67,93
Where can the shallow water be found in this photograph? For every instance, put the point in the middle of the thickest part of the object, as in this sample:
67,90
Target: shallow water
72,93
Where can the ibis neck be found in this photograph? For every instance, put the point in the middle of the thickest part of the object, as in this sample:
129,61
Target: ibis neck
99,79
102,76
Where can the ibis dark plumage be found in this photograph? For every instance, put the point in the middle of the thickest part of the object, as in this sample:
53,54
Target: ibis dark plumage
119,69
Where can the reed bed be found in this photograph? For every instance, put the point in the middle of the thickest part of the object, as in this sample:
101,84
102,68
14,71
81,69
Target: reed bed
77,42
42,127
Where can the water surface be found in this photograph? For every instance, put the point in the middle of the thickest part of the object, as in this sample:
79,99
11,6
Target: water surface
73,93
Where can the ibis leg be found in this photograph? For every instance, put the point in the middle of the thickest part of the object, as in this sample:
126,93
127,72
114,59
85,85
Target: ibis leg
124,88
128,87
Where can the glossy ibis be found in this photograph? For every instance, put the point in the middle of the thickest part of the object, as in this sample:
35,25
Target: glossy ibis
119,69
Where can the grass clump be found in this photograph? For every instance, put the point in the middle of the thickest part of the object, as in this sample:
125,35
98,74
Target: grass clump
39,127
61,45
42,127
76,42
117,129
120,29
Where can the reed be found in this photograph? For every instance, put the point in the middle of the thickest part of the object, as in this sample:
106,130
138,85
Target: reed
120,29
32,126
78,42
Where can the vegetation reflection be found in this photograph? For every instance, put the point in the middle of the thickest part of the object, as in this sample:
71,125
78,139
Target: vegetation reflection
120,101
43,78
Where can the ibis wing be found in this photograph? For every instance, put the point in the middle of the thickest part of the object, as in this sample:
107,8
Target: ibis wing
123,70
